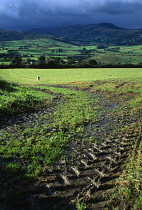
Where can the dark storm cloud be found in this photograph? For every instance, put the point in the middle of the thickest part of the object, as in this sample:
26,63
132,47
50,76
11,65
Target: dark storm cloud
120,6
40,13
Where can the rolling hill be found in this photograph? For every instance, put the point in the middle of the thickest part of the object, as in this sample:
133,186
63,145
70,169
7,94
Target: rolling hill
7,35
105,33
100,33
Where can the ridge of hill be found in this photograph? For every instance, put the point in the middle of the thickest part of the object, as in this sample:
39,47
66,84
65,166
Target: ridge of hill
8,35
100,33
105,33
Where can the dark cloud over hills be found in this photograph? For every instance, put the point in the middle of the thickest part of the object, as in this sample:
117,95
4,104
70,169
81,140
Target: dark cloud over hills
24,14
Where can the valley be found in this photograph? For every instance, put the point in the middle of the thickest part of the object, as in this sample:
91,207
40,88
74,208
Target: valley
63,50
71,140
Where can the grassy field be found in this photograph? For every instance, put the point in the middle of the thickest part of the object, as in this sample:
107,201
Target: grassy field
41,143
59,76
37,47
49,47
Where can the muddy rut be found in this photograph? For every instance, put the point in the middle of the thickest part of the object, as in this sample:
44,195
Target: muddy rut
89,175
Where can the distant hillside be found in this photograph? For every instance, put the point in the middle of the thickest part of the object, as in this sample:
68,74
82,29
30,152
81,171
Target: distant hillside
81,34
6,35
100,33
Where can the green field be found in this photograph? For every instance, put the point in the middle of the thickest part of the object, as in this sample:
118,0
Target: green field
43,123
59,76
32,49
70,101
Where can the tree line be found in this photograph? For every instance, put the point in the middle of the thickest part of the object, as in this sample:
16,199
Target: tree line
77,61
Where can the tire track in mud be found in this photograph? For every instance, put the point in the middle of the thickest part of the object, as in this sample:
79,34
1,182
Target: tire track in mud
88,175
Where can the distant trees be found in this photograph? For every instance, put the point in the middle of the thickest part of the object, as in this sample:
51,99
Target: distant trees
58,62
60,50
41,60
113,49
17,60
92,62
54,62
102,46
3,43
50,62
84,51
71,60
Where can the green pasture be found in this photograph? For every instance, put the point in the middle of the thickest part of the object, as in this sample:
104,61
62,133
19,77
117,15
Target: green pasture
37,47
118,58
59,76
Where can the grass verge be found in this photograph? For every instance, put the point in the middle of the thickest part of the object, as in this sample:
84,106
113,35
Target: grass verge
128,194
44,140
16,99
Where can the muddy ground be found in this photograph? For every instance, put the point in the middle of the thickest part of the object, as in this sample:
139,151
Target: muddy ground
89,175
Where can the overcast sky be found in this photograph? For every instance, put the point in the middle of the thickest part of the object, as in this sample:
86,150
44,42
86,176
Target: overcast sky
26,14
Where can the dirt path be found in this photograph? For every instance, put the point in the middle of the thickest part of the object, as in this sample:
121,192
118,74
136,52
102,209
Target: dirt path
89,175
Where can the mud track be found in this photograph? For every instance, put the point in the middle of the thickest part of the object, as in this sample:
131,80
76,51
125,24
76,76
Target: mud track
90,175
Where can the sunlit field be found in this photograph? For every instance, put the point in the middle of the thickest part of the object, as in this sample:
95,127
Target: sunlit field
55,121
59,76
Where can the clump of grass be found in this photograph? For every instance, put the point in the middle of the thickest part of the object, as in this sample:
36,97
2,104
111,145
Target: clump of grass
80,204
129,183
75,112
6,86
14,168
19,99
43,144
78,109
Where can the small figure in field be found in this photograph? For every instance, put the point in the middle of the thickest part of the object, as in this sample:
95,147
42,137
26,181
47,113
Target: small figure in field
38,78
